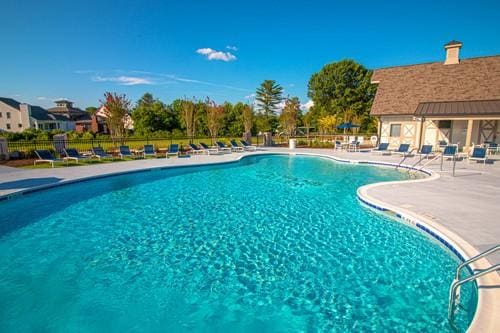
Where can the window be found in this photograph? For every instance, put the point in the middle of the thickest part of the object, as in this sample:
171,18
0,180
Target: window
8,115
444,124
395,130
8,126
0,114
19,125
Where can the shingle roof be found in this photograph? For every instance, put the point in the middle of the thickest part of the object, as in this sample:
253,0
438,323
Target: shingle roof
10,102
401,89
40,113
461,108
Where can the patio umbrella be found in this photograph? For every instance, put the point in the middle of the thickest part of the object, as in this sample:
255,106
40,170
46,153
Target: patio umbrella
347,125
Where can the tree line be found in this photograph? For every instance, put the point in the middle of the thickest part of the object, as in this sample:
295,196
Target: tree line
193,117
341,92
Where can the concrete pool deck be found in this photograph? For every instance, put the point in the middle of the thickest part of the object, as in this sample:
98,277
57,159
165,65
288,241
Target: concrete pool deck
466,205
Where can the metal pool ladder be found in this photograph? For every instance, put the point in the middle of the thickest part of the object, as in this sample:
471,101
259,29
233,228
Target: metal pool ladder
454,300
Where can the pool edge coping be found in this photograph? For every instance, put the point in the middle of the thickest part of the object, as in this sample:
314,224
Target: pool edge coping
485,318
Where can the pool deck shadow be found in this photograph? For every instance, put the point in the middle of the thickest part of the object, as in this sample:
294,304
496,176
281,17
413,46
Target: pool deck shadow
28,183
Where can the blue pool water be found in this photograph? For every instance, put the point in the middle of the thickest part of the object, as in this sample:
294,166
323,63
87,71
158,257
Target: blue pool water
268,244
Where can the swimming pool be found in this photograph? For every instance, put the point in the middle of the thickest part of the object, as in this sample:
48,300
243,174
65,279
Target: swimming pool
271,243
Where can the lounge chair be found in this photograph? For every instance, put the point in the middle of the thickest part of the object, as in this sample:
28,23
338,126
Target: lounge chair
382,148
206,149
403,149
222,147
235,146
353,146
195,149
248,146
45,156
492,147
479,154
425,151
72,154
338,145
442,144
149,150
173,149
100,153
450,151
124,151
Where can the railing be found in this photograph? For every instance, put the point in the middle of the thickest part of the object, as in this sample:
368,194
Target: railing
405,156
454,298
26,147
427,162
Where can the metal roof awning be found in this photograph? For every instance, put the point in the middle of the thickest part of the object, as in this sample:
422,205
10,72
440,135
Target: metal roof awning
459,108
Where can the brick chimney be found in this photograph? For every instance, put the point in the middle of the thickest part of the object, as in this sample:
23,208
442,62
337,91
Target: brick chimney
452,52
94,125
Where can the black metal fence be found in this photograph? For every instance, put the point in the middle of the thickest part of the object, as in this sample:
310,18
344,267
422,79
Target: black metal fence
26,148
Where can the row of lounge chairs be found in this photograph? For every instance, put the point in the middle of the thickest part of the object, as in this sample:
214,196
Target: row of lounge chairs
221,147
72,154
477,153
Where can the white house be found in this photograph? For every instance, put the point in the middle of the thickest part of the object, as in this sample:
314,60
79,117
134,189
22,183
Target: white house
16,117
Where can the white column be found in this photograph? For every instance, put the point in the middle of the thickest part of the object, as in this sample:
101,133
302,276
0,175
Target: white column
468,137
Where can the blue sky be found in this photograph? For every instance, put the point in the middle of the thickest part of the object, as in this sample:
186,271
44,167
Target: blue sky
221,49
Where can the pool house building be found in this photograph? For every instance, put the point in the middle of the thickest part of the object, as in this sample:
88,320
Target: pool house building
455,100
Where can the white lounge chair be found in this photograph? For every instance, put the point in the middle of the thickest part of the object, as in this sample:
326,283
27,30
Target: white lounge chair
208,150
235,147
222,147
248,146
45,156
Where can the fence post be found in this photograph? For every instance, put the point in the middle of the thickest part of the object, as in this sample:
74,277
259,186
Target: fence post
4,148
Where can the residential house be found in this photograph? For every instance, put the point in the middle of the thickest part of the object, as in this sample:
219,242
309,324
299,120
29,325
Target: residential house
16,117
456,100
128,122
82,119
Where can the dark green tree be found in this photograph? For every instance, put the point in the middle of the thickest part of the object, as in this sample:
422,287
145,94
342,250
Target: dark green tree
268,97
342,89
233,125
151,115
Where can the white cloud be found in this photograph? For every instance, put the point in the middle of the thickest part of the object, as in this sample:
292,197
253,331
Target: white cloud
212,54
307,106
250,96
43,98
232,48
123,80
139,77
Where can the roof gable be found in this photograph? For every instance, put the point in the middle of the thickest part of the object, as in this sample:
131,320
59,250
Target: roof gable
10,102
402,89
39,113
